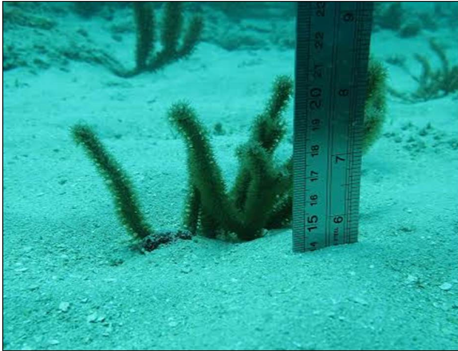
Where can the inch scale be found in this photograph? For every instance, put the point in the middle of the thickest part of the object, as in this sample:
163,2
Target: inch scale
332,53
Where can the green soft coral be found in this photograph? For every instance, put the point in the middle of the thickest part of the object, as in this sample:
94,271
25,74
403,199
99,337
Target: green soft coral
261,197
176,43
260,184
119,184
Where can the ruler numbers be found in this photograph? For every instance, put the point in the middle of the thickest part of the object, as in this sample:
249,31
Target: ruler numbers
331,68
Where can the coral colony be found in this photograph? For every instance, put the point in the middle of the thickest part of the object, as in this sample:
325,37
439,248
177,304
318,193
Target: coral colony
261,197
175,43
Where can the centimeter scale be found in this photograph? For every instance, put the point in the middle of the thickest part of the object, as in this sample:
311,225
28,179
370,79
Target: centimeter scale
332,53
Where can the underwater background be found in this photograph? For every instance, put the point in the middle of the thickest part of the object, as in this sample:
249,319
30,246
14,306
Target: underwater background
71,277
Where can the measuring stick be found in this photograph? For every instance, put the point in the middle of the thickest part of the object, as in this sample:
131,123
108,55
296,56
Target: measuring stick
332,53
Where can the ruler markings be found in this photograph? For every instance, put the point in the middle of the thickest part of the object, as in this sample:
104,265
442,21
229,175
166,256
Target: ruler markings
330,124
352,133
331,72
300,124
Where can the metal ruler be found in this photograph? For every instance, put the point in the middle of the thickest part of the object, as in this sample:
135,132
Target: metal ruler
332,53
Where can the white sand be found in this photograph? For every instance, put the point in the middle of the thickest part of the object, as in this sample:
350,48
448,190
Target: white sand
71,282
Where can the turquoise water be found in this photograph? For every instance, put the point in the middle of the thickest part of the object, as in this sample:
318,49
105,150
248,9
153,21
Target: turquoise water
148,182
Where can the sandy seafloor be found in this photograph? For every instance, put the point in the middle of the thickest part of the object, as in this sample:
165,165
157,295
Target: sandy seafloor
71,281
